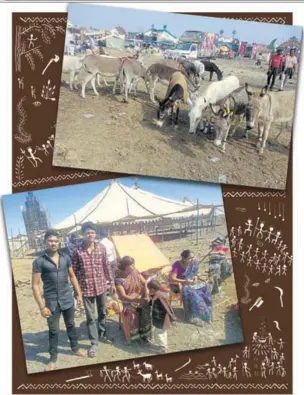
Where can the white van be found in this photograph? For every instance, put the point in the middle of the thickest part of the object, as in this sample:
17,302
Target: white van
183,49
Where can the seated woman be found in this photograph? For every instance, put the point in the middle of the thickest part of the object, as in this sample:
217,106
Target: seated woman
196,294
133,292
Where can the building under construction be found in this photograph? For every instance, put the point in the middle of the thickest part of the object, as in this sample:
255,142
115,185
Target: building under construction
35,219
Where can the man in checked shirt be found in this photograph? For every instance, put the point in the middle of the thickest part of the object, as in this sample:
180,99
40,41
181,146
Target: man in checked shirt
93,271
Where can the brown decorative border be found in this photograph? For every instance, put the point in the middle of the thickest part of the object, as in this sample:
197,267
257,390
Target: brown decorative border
240,204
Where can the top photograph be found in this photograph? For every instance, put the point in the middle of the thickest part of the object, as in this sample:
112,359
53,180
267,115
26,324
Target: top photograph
177,96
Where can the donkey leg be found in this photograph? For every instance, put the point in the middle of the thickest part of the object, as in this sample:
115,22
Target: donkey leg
235,125
105,81
260,135
98,79
115,84
152,90
85,81
72,77
135,84
75,81
265,137
128,85
93,80
223,148
176,118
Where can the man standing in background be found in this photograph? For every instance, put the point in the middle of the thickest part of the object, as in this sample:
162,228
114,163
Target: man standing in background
289,68
111,253
93,272
275,67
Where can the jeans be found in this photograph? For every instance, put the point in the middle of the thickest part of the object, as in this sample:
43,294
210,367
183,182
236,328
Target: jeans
272,75
94,331
53,324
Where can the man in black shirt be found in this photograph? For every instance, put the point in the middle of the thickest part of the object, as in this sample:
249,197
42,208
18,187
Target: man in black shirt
54,268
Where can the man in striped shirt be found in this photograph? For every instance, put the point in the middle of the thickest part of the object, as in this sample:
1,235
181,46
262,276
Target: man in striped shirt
93,271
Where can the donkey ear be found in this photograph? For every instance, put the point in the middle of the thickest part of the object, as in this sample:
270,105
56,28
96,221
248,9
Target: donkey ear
248,89
264,90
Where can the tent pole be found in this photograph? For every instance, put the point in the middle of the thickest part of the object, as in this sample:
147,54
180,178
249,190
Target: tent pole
20,243
213,218
12,241
197,217
75,222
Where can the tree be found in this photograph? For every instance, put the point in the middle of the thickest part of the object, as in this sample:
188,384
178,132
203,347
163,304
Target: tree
46,31
221,32
233,33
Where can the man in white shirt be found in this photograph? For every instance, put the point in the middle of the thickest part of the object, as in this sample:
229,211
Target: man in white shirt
110,249
290,65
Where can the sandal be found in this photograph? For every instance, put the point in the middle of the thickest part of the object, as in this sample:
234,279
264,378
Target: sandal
92,351
80,353
51,366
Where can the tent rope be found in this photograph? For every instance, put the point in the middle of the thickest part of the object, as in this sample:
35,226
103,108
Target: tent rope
100,201
131,197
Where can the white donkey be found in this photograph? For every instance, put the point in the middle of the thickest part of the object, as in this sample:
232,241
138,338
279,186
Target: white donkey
214,93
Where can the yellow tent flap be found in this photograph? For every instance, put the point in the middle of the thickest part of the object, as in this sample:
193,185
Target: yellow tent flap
142,248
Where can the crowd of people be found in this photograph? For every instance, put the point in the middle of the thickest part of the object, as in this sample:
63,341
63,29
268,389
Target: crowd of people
88,271
283,66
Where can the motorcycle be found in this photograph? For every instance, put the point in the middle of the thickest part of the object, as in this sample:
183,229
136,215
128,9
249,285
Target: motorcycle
219,266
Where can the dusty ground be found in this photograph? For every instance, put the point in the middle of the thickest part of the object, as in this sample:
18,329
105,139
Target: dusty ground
225,327
122,138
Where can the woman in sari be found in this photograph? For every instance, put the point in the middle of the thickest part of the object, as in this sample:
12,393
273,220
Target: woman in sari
196,294
134,294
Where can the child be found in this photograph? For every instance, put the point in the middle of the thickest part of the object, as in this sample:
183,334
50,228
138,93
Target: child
162,315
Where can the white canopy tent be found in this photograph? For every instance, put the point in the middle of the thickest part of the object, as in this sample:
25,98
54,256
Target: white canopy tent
119,203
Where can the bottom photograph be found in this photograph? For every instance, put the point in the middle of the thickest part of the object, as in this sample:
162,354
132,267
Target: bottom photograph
121,269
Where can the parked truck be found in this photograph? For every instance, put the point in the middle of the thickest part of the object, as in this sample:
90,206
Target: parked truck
190,45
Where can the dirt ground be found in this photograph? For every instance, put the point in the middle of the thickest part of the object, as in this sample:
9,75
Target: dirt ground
224,329
121,137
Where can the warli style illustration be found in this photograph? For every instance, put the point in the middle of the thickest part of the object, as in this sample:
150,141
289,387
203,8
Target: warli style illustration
264,361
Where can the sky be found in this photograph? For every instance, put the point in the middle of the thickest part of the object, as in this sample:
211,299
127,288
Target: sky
64,201
98,16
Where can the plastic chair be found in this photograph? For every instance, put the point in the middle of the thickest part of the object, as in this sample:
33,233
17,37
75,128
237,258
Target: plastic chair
173,296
